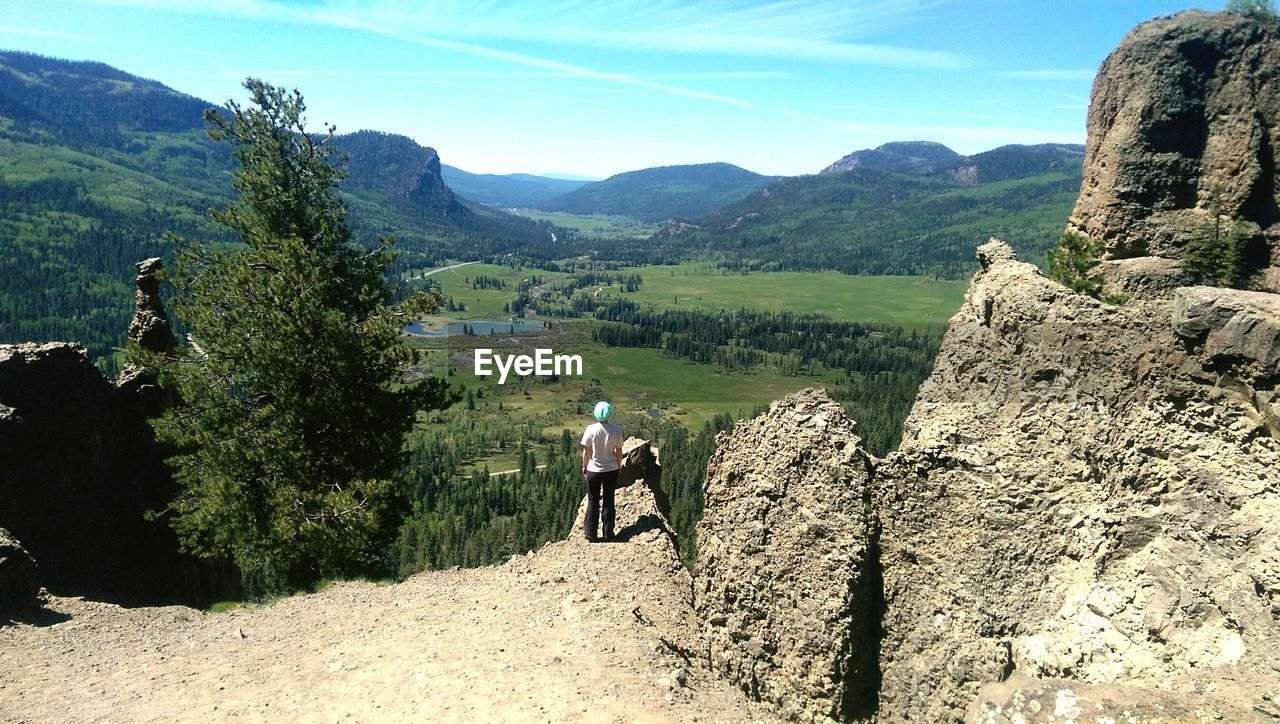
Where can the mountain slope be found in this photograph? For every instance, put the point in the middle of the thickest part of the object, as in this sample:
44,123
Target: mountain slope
655,194
878,221
96,165
506,190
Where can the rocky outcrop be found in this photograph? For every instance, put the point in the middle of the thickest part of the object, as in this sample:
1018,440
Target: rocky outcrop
1185,114
1085,492
80,472
19,577
150,327
151,331
785,585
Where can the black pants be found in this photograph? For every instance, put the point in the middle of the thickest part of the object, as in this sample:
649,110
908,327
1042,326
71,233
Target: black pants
599,485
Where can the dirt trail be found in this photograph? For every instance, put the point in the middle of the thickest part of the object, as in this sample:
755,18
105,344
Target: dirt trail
574,632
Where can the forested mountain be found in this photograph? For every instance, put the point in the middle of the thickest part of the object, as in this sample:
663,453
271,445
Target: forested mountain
901,156
877,221
506,190
96,164
655,194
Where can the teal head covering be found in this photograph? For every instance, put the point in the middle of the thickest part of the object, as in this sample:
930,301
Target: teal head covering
603,411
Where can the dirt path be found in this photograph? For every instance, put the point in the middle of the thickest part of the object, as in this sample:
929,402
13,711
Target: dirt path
575,632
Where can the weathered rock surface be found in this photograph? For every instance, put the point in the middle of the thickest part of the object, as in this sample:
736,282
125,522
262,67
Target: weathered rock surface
784,585
150,330
150,326
1084,494
1031,701
1184,111
19,577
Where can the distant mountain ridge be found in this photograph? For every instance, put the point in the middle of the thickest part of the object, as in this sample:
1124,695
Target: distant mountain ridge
904,208
506,190
929,157
655,194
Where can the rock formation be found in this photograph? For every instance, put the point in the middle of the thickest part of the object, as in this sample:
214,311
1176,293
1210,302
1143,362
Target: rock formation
1185,114
150,330
784,586
19,577
1086,492
81,470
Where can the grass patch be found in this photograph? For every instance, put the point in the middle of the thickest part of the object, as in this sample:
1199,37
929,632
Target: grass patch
905,300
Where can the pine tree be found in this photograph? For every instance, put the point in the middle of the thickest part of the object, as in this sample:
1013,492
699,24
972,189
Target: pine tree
1259,9
292,419
1072,263
1212,254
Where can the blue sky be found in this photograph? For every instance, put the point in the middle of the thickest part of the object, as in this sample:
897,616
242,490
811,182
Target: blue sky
596,87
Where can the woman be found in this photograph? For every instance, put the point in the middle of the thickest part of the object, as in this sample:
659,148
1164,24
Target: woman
601,458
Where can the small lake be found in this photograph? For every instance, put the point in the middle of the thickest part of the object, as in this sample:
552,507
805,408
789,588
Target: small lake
475,326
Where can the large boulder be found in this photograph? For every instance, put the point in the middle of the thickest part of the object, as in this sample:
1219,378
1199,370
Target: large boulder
785,584
19,577
1185,114
1084,493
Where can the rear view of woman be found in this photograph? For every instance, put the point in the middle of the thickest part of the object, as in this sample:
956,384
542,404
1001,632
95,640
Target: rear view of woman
601,458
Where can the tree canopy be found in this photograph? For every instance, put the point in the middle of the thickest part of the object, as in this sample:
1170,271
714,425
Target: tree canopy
289,436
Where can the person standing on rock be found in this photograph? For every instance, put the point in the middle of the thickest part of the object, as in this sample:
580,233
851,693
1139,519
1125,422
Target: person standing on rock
601,458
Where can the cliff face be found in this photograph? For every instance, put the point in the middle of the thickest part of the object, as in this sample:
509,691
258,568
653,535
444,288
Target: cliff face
1086,492
1185,113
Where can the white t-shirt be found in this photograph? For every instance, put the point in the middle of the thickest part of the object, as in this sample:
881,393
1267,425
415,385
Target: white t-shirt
602,438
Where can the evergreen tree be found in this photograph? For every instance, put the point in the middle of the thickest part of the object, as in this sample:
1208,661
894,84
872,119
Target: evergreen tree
288,439
1212,254
1259,9
1072,263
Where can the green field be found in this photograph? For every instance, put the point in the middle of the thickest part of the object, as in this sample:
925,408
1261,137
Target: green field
636,380
594,224
897,300
483,303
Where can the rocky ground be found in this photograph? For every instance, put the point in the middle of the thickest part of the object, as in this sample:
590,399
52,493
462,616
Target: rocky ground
573,632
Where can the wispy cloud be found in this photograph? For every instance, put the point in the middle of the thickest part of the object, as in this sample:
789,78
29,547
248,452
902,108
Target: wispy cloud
1052,74
383,25
42,33
826,30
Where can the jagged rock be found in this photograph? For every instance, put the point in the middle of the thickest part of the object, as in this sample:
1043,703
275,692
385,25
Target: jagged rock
151,331
19,577
150,326
1076,498
1029,701
784,586
1184,111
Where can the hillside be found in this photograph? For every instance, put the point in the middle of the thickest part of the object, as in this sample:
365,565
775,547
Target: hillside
871,220
656,194
506,190
96,165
